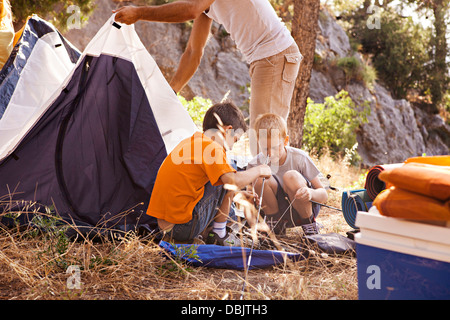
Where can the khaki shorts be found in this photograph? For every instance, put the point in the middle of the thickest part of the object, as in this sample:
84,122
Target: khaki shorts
273,83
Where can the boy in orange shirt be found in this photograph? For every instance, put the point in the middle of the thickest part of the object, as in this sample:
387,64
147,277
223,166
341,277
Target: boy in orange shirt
188,194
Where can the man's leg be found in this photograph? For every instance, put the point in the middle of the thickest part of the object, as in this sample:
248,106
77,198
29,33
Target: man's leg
272,86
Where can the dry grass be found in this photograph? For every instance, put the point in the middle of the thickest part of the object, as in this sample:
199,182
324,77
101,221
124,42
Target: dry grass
33,266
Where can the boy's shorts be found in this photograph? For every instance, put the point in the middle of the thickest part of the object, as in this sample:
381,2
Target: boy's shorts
290,216
203,214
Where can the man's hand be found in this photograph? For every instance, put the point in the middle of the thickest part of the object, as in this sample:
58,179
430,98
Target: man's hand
303,194
127,15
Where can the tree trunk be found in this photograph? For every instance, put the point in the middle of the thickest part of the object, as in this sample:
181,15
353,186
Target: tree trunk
304,31
440,52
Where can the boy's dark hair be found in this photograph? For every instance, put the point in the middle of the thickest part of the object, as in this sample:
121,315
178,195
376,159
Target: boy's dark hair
228,113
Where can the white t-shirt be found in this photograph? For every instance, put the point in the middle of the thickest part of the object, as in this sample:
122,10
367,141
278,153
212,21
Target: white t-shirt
254,26
296,159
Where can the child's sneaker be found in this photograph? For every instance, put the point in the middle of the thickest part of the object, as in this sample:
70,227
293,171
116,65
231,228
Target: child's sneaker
230,239
310,228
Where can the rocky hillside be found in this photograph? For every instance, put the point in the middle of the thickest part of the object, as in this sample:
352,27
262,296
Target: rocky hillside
396,129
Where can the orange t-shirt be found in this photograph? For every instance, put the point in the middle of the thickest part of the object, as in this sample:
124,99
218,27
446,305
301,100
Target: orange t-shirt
181,179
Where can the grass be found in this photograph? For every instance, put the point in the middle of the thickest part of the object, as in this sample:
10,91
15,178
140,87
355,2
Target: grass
33,265
359,71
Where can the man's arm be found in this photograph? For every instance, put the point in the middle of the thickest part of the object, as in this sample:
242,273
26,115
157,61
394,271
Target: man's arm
178,11
241,179
190,60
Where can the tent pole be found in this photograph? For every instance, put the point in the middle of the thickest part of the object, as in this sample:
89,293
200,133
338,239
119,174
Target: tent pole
253,242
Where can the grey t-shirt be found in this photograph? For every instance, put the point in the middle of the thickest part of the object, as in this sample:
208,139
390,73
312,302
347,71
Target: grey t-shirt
296,159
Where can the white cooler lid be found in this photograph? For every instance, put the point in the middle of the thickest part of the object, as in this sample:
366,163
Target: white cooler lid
401,235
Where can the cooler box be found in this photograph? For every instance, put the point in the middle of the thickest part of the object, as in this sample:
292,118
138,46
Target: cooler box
401,259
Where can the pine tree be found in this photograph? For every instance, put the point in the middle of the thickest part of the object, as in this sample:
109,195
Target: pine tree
440,48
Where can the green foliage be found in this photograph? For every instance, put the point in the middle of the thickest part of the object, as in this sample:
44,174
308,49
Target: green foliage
350,65
340,6
55,11
356,70
196,108
332,125
358,183
447,101
53,232
369,75
179,264
285,10
447,107
399,50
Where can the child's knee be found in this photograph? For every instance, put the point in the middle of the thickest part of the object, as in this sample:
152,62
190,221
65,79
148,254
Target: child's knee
293,180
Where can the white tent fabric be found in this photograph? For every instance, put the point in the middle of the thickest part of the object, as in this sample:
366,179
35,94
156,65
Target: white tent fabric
47,66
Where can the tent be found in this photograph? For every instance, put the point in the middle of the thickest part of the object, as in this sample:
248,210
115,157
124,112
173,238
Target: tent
92,150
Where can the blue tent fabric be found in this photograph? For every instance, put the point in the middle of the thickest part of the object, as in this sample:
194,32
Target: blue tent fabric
235,258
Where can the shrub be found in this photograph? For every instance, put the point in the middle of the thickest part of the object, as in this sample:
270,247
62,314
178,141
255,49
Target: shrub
350,65
446,108
356,70
332,125
399,50
196,108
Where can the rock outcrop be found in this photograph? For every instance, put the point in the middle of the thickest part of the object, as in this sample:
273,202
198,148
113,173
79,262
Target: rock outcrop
396,129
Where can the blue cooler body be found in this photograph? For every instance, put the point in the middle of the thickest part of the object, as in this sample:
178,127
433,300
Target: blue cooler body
400,259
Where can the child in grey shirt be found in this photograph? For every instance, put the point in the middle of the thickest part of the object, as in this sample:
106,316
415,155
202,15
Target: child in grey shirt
294,182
